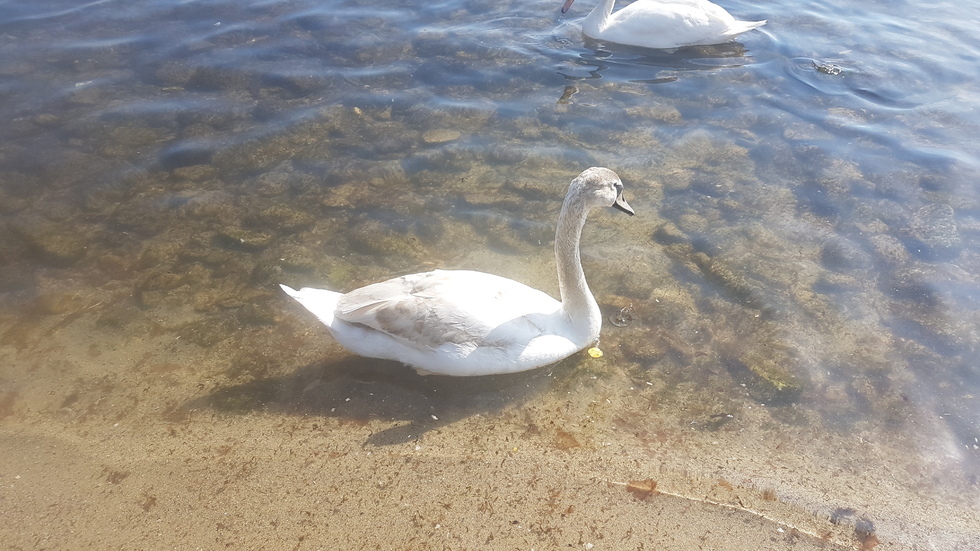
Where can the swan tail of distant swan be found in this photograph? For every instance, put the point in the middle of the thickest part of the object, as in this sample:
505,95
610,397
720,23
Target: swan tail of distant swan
320,302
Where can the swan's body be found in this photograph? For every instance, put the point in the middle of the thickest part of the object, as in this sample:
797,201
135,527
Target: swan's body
472,323
663,23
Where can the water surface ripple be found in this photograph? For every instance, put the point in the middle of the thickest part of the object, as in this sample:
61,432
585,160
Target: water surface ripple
801,368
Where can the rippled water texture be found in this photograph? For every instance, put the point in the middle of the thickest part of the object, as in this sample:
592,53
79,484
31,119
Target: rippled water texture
799,369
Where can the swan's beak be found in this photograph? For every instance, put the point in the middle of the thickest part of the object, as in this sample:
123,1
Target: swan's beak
621,203
568,4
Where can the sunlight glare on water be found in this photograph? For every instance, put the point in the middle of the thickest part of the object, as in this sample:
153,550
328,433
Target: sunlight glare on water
800,367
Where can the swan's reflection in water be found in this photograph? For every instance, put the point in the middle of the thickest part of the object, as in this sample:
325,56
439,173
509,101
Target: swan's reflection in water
621,63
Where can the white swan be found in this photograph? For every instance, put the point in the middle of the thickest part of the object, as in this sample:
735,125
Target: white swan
663,23
473,323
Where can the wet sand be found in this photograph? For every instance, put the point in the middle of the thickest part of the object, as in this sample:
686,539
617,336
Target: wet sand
110,444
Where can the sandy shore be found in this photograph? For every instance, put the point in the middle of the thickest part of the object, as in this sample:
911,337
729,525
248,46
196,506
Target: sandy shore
119,444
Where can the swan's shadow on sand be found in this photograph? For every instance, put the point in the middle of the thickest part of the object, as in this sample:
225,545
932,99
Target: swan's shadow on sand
359,390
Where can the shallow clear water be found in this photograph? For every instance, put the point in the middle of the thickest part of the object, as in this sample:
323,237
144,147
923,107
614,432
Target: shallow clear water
802,271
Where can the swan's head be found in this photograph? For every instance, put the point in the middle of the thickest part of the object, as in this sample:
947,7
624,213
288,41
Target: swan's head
599,187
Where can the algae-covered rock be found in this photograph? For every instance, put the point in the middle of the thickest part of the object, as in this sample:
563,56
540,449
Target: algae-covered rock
281,179
842,255
922,306
933,229
281,218
296,258
257,313
173,74
291,86
60,297
162,279
440,135
55,244
48,120
195,173
119,316
148,215
16,276
662,113
267,273
889,250
342,274
735,283
207,332
380,238
212,207
235,238
163,284
158,253
269,184
771,378
533,189
10,203
130,140
669,234
216,78
832,282
345,195
913,285
204,249
644,350
185,154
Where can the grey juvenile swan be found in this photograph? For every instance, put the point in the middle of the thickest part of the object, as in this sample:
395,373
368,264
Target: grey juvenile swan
464,323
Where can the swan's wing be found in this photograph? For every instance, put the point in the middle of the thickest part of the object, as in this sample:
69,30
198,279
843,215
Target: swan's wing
666,18
460,307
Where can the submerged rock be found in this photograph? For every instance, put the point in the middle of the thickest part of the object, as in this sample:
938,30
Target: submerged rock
768,376
380,238
207,332
146,215
60,297
235,238
14,277
889,250
55,244
934,232
440,135
843,255
281,218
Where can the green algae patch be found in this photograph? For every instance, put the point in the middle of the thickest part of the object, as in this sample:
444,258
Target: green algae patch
768,378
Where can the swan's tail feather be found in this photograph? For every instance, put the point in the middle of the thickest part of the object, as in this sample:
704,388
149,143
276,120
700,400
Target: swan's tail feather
744,26
321,302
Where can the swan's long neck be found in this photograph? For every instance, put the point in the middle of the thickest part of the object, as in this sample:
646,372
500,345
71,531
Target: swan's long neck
577,301
595,22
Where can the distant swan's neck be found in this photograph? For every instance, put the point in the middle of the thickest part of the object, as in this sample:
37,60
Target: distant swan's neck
595,22
576,299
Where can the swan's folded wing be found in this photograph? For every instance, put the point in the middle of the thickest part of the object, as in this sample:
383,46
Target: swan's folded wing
440,307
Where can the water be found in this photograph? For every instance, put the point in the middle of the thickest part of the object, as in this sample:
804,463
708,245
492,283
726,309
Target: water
801,364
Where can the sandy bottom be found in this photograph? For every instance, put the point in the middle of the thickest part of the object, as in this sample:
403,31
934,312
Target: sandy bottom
265,482
145,442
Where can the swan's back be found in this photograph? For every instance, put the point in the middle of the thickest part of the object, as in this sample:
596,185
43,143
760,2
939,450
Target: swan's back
441,306
667,24
454,322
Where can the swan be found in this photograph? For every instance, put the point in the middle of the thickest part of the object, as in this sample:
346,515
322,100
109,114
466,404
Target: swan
466,323
663,23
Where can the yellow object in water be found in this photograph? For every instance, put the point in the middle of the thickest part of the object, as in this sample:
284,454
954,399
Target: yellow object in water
595,352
